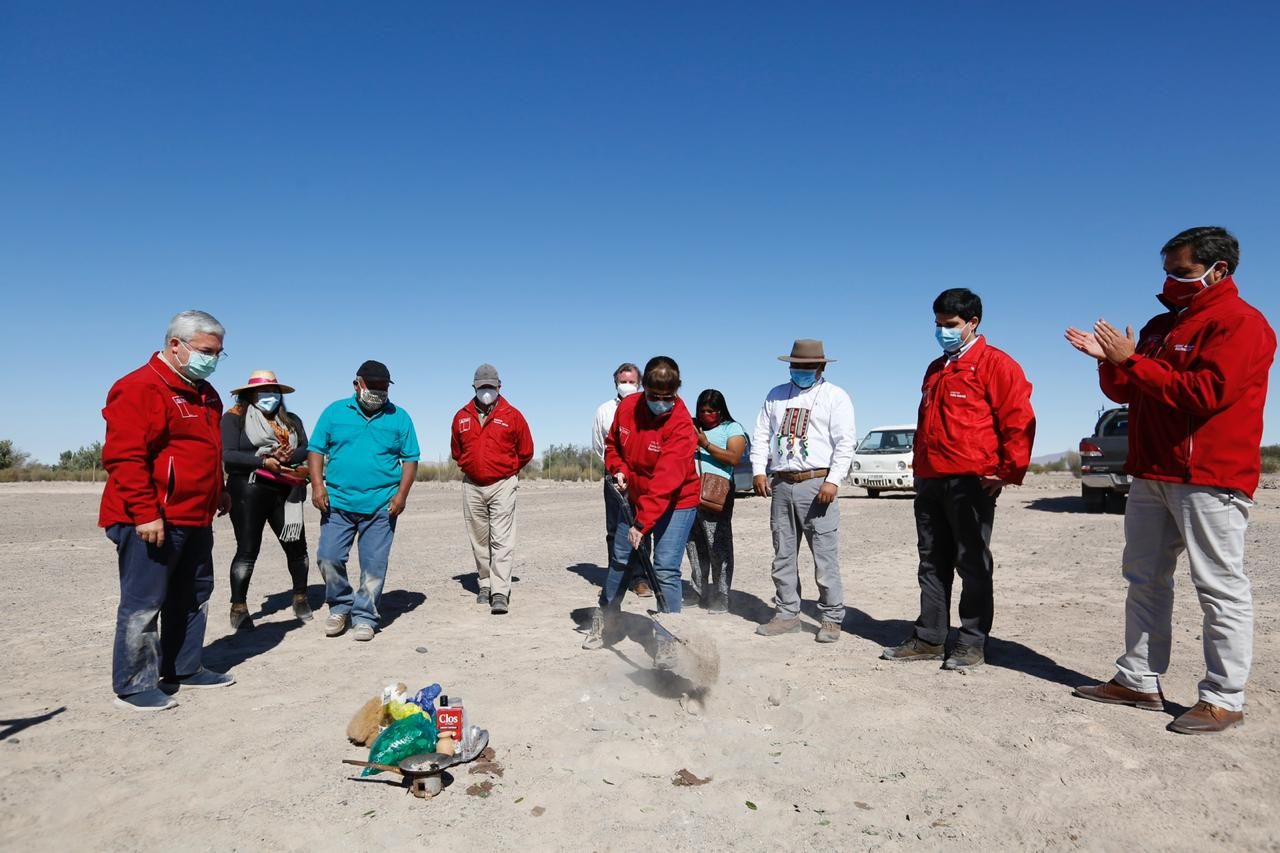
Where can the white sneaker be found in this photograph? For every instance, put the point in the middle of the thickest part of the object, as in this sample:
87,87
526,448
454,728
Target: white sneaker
335,624
362,633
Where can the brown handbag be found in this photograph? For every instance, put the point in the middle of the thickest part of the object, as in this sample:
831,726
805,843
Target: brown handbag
714,493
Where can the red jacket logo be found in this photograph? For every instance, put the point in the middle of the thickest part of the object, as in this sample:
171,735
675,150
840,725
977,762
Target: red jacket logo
183,408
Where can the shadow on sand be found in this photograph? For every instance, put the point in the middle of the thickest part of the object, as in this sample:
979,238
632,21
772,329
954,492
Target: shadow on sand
18,724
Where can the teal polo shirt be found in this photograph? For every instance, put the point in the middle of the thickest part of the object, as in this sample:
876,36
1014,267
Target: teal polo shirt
365,453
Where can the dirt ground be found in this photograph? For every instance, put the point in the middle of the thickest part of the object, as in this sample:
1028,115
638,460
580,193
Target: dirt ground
806,747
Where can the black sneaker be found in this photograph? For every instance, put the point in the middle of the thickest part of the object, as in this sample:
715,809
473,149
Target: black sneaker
498,604
202,678
964,657
913,649
154,699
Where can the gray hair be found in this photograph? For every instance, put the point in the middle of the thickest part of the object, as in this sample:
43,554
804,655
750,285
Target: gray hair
625,366
187,324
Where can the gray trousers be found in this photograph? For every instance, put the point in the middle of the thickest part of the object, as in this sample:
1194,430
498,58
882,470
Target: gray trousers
795,509
1160,522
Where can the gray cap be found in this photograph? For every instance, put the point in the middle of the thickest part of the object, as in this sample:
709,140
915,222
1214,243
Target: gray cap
486,374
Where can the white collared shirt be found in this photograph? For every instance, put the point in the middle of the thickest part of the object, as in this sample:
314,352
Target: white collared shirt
604,420
799,429
955,356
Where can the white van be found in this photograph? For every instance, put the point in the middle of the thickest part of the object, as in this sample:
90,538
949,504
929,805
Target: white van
882,461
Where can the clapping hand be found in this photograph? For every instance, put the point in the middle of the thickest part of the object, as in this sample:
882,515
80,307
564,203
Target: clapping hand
1085,342
1116,345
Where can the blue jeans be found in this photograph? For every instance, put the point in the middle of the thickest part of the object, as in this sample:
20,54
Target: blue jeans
164,598
338,530
670,535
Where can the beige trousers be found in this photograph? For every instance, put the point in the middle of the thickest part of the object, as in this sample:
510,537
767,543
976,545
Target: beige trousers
490,514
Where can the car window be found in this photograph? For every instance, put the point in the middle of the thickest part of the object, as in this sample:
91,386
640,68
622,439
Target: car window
1117,426
887,441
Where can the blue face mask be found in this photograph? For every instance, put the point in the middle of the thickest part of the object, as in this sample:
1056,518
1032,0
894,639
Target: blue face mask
803,378
660,407
949,339
200,365
268,402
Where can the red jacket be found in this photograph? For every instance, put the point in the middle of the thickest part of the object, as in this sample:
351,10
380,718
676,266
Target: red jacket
1196,389
163,452
656,456
495,450
975,417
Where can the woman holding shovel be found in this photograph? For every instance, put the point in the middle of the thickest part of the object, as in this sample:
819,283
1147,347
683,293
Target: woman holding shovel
649,453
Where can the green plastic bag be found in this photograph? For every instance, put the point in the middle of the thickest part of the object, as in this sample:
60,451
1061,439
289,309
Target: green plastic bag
410,736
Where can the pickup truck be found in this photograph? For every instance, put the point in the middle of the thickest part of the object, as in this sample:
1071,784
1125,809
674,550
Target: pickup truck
1103,483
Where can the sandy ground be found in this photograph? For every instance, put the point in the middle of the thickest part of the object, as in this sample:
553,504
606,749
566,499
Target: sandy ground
806,746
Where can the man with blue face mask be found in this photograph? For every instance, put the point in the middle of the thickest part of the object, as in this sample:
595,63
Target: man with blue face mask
363,458
491,442
802,448
973,438
164,486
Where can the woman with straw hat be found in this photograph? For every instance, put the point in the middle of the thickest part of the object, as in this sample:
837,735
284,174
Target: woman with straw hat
264,450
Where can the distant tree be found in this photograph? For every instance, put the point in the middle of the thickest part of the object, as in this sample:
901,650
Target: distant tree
569,462
86,458
11,456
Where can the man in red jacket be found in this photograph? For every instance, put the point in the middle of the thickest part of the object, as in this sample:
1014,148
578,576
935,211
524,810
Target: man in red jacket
163,456
491,443
973,438
1195,380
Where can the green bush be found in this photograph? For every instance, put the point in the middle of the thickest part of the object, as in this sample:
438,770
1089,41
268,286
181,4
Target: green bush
1271,458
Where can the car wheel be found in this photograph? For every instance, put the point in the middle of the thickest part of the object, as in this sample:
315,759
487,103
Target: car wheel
873,493
1114,502
1095,500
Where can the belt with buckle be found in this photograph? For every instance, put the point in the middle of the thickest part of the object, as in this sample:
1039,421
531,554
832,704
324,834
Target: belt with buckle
801,476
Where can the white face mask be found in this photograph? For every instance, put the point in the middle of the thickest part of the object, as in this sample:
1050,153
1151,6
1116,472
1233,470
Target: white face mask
626,389
268,402
486,396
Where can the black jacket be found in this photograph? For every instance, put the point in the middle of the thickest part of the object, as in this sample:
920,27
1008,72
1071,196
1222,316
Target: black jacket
239,456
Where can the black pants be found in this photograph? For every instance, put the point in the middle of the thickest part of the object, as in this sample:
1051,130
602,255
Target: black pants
954,516
254,505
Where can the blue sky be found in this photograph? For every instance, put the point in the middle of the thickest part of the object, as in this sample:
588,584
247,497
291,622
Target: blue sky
557,187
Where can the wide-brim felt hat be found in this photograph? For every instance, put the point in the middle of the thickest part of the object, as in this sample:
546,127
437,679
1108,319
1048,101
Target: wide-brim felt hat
260,380
806,350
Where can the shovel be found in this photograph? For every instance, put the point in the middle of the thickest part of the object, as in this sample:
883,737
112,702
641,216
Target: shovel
640,560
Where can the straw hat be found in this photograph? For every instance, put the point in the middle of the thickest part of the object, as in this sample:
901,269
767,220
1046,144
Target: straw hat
260,379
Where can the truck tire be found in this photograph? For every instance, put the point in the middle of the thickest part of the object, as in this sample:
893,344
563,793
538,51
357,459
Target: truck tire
1095,500
873,493
1115,502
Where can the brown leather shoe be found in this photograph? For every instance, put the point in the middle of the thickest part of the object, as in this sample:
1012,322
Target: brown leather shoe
1206,718
641,588
829,632
777,625
1112,693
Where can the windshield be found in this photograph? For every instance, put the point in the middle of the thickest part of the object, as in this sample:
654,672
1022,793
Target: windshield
888,441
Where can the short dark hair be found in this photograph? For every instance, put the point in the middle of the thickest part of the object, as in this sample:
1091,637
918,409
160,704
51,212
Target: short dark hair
1209,244
958,302
661,371
626,365
715,401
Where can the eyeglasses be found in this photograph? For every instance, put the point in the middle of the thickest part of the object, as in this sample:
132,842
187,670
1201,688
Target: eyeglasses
219,354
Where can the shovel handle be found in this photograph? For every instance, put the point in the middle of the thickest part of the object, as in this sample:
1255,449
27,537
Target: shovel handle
390,768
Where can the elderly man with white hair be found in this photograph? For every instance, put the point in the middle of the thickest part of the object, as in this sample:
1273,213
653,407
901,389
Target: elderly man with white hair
163,456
